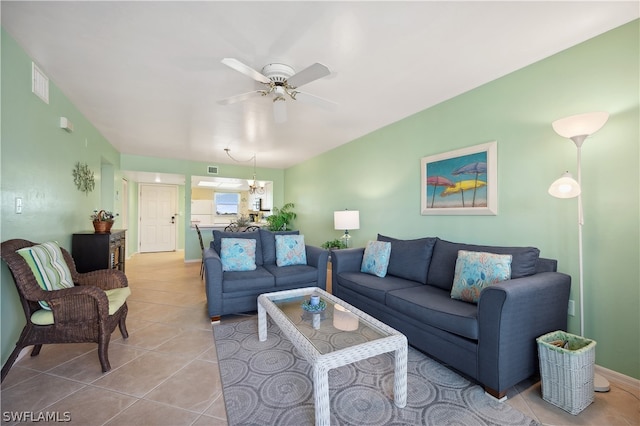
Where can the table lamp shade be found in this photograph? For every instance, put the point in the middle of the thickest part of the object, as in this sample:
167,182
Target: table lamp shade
346,219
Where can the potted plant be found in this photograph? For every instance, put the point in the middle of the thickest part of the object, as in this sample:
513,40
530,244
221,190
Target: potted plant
243,220
103,221
334,245
281,218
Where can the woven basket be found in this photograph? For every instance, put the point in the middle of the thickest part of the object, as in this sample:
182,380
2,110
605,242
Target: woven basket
567,374
102,226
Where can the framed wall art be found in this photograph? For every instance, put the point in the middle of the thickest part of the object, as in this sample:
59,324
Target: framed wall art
460,182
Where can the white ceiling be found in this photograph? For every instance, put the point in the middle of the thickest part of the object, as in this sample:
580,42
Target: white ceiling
148,74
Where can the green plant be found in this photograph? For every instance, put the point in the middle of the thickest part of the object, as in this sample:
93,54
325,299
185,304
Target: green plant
281,218
103,216
243,220
334,244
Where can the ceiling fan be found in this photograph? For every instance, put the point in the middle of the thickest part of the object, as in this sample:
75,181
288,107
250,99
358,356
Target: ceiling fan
281,82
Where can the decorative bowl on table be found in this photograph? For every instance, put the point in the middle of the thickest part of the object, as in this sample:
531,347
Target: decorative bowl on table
307,306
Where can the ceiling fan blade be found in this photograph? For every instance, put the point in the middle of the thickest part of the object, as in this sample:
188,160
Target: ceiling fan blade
279,111
307,75
245,69
239,98
316,100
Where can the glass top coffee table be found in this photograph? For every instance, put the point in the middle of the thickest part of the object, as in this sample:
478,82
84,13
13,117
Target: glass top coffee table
339,335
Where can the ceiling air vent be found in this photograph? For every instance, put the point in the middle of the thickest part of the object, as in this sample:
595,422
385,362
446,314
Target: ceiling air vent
39,83
212,170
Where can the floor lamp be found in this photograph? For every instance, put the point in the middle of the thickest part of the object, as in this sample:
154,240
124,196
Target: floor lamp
578,128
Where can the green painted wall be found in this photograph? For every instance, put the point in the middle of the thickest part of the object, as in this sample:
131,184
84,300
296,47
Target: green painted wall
37,159
379,174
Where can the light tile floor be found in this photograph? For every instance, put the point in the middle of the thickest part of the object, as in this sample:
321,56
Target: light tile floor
166,372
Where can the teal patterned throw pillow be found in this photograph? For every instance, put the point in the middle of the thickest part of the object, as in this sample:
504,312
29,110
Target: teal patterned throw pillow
238,254
376,258
290,250
476,270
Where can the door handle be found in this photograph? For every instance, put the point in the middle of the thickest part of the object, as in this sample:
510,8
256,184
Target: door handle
173,219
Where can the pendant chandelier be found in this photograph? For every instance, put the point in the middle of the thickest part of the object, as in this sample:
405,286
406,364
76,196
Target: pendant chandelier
255,187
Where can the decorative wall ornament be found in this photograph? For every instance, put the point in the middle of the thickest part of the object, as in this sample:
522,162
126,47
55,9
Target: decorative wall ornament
83,178
460,182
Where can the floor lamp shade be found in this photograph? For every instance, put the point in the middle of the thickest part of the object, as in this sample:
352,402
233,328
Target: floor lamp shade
578,127
565,187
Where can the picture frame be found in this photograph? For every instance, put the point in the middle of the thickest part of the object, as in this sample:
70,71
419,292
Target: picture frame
460,182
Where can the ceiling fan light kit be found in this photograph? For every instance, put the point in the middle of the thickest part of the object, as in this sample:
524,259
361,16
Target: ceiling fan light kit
281,81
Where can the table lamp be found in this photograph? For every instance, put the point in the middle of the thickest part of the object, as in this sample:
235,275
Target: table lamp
346,219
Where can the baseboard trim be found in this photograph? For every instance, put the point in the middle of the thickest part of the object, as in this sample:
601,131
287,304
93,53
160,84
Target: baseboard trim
614,376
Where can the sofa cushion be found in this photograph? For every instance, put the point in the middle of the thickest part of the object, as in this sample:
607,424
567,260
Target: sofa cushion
238,254
374,287
258,279
255,235
269,244
48,266
290,250
435,307
410,259
445,254
476,270
295,274
376,258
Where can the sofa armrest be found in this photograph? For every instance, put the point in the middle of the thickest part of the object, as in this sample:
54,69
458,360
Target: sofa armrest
213,282
347,260
318,258
511,315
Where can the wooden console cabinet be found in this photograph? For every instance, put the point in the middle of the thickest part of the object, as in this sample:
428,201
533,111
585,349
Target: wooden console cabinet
93,251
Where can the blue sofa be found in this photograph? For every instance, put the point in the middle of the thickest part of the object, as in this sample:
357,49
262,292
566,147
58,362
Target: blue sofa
493,341
235,292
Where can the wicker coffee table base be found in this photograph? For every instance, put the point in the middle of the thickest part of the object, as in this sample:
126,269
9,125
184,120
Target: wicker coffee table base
322,363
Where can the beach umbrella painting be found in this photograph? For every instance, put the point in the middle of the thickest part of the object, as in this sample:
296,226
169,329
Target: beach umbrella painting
477,169
463,185
437,181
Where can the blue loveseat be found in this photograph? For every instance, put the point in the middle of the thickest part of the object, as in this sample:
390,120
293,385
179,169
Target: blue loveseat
493,341
237,291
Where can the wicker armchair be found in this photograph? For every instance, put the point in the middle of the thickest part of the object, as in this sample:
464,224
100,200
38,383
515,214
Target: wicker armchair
81,313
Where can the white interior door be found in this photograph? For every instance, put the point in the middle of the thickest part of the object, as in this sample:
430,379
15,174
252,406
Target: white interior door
158,207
